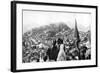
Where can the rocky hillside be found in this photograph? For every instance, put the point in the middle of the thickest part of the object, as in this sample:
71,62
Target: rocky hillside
52,31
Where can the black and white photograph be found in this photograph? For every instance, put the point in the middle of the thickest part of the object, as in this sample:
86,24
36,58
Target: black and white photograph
51,36
56,36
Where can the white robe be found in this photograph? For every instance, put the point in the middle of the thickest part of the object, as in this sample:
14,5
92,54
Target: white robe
61,54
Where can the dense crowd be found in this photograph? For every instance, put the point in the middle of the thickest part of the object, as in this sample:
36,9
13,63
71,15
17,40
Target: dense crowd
60,50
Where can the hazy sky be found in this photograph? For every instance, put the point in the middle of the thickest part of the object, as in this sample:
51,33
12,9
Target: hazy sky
32,19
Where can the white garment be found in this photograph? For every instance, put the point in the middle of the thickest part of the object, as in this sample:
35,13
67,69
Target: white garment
61,54
40,45
88,44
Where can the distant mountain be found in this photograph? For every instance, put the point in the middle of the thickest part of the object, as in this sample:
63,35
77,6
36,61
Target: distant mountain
52,31
48,32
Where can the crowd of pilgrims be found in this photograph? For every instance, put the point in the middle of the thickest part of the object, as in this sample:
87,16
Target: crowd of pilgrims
59,51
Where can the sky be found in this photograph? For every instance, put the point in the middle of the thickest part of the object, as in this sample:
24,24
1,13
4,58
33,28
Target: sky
32,19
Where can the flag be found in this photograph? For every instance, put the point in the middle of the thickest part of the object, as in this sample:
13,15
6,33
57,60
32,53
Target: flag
76,33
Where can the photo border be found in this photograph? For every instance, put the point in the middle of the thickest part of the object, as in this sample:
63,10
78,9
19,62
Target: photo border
13,34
